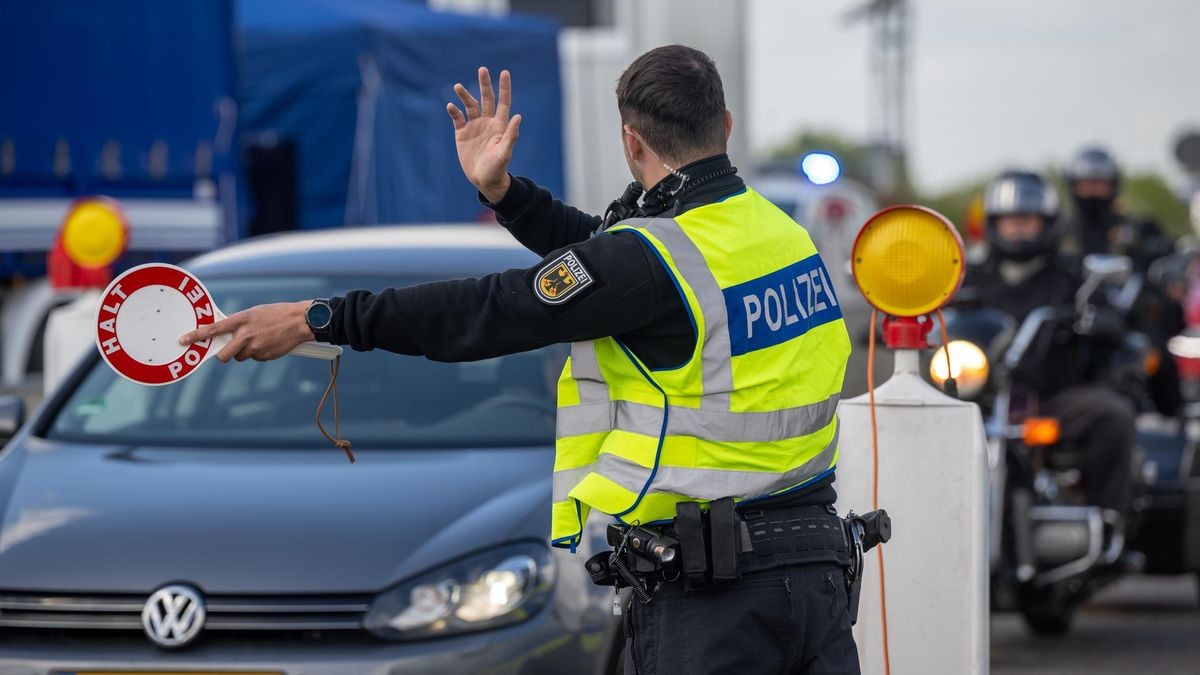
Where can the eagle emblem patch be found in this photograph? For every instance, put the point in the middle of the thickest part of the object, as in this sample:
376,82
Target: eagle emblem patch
562,279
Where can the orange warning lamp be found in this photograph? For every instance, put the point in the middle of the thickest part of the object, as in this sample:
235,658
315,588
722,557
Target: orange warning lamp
908,261
93,234
1040,431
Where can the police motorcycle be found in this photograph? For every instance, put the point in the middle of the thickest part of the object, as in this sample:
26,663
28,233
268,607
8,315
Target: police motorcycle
1050,549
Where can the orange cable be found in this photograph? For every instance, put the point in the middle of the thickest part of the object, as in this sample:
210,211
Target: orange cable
887,661
945,343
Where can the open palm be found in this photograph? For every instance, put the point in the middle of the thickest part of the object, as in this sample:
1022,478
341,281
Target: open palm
486,135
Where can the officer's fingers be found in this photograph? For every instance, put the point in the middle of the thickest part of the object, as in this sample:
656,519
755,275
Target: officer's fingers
227,325
512,132
456,115
486,97
504,105
468,101
232,349
191,336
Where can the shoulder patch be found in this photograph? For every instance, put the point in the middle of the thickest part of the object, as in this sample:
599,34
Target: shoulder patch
561,279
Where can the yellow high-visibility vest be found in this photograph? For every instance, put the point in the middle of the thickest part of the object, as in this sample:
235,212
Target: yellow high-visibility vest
751,413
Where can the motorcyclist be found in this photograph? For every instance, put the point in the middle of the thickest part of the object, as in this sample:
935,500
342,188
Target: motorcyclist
1023,270
1094,182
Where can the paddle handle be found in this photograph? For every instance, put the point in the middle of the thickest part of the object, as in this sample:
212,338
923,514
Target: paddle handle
318,350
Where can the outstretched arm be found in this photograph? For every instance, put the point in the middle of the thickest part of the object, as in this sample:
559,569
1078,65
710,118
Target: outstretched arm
607,285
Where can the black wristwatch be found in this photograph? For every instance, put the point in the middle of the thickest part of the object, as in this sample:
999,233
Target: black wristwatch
318,316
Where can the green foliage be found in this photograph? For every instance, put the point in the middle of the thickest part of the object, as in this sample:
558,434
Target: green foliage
1147,194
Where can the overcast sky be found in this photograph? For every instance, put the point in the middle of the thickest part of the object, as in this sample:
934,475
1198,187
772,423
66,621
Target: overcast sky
993,83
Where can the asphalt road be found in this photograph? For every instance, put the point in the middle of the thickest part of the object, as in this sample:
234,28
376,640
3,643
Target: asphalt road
1141,625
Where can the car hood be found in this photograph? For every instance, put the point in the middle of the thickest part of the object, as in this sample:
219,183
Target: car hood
84,518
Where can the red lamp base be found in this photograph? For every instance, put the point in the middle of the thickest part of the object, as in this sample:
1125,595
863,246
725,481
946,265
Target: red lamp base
907,332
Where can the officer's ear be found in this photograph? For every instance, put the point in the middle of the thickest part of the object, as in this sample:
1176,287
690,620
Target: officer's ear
728,124
633,143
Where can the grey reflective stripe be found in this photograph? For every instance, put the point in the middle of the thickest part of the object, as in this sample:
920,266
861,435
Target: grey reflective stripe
586,371
716,353
704,484
713,425
566,479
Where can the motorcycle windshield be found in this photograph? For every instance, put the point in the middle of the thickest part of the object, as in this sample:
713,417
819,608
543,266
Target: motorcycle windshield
990,329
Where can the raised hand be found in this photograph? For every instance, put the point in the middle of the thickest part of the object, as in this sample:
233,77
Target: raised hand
486,135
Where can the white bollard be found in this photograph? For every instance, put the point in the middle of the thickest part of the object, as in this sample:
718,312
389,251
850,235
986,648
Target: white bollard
933,482
70,332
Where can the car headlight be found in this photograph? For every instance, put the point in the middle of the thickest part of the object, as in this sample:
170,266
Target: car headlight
969,364
495,588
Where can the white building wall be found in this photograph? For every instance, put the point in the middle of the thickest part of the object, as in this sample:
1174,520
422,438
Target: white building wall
592,59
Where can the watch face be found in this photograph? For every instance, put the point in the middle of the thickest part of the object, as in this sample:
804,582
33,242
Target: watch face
319,314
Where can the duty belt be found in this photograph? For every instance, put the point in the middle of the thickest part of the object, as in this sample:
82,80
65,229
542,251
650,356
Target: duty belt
716,547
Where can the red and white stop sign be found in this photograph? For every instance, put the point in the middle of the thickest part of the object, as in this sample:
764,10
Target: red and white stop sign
141,317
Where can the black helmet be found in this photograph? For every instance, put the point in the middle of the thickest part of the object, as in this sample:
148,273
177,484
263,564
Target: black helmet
1020,193
1092,163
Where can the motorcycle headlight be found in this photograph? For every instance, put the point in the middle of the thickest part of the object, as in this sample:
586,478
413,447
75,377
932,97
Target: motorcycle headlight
495,588
968,363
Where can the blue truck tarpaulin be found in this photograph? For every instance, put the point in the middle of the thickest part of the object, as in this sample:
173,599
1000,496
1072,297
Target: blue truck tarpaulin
361,86
123,97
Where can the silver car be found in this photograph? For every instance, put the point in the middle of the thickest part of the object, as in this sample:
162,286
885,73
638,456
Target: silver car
208,526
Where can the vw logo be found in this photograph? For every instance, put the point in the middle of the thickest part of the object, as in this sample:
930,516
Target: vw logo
173,616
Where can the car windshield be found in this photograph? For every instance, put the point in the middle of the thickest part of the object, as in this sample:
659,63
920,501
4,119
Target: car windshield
386,400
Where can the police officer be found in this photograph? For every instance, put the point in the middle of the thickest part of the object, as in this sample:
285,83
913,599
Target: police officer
1023,271
707,356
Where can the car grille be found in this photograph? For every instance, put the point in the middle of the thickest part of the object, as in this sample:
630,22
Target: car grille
223,612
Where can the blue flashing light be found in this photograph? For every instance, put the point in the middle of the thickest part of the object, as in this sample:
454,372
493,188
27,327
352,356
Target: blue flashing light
821,168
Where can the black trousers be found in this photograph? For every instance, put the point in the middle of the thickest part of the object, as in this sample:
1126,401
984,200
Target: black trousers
1100,422
790,619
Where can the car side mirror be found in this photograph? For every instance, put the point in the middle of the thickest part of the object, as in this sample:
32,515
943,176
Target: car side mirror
12,416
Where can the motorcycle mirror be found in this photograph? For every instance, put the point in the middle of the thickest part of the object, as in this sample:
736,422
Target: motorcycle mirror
1109,268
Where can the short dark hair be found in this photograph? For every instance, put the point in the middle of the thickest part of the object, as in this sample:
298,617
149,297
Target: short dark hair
672,96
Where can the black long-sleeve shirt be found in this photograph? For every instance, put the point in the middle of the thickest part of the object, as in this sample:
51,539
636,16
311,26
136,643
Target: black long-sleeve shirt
630,296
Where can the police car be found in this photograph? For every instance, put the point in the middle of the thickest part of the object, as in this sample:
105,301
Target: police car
207,525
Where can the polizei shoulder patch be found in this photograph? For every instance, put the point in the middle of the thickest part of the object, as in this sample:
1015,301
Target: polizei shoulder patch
561,279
